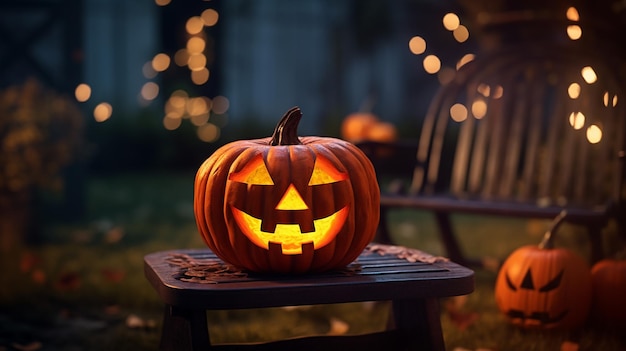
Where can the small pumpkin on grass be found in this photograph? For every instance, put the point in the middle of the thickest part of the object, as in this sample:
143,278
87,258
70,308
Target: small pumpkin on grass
609,291
543,286
287,204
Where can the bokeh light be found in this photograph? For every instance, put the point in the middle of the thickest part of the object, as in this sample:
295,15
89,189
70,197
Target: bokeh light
82,92
432,64
574,32
194,25
577,120
451,21
160,62
573,90
458,112
220,105
589,75
594,134
149,91
209,17
102,112
461,34
417,45
479,108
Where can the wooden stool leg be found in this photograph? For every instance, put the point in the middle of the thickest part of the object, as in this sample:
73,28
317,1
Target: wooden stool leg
184,329
419,319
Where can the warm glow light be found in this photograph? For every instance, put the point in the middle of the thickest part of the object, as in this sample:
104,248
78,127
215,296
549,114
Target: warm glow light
464,60
458,112
432,64
461,34
291,200
574,32
573,90
498,91
209,17
199,120
197,106
589,75
417,45
220,105
194,25
149,91
181,57
483,89
82,92
479,109
148,71
607,100
486,91
594,134
200,77
162,2
451,21
577,120
208,133
195,45
289,236
171,123
196,62
102,112
160,62
572,14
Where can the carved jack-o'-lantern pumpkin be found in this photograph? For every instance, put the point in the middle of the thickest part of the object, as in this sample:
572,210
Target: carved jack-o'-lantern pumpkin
287,204
543,286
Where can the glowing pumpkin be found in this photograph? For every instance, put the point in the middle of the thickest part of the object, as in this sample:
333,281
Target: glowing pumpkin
287,204
609,292
543,286
355,126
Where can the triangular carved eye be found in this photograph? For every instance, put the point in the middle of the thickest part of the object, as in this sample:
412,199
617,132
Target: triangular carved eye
254,172
552,284
527,283
324,172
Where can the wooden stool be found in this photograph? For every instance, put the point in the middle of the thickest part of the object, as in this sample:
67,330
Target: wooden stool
381,273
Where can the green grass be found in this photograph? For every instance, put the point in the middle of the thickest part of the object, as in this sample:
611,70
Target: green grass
77,291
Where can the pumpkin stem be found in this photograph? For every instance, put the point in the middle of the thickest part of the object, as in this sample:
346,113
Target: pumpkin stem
286,132
548,239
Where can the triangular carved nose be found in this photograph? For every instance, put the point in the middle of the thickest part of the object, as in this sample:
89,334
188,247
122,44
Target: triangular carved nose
291,200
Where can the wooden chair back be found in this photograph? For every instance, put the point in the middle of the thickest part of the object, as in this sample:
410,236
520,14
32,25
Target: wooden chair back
528,128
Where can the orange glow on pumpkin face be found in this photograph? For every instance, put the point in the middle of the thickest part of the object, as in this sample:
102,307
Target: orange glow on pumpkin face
291,236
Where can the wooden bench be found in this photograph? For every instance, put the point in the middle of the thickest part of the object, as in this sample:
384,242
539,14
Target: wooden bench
504,138
381,273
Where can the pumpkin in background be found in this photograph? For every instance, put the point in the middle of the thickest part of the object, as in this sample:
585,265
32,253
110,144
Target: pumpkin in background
355,126
544,287
609,292
287,204
382,132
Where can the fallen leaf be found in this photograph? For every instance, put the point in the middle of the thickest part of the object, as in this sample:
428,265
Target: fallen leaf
68,281
38,276
114,235
569,346
112,310
33,346
463,320
338,327
113,275
28,261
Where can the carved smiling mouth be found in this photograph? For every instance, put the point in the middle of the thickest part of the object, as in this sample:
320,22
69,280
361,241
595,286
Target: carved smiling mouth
290,236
